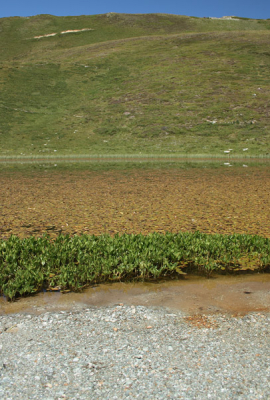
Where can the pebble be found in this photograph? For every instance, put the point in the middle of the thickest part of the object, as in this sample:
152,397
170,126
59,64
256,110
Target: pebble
113,353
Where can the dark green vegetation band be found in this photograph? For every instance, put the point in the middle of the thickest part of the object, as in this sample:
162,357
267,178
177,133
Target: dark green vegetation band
70,263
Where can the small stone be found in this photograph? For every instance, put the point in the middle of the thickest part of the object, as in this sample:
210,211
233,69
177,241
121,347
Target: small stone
13,329
7,325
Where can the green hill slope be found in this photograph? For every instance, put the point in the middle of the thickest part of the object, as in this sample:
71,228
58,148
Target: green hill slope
134,83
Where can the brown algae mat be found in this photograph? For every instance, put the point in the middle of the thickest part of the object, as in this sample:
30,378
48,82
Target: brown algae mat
229,200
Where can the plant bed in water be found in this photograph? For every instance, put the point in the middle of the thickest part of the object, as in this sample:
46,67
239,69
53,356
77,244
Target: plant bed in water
74,262
70,201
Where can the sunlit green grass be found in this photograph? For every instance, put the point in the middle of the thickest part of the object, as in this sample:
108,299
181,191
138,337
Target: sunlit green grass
150,84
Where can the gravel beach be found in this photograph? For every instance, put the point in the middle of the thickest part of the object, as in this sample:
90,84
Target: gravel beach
134,352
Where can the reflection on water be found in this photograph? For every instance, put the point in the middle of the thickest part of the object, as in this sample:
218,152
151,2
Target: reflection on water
234,294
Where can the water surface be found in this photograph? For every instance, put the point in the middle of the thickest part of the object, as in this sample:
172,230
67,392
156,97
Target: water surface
194,295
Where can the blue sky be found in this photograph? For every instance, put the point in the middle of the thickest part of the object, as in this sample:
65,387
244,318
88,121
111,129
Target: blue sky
198,8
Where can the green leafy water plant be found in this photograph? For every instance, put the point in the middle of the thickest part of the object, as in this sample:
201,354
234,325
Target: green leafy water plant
73,262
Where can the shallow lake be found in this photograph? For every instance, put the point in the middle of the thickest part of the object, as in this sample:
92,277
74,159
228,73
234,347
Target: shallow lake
237,295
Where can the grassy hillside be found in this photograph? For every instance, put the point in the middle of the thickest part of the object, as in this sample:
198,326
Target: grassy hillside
134,83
